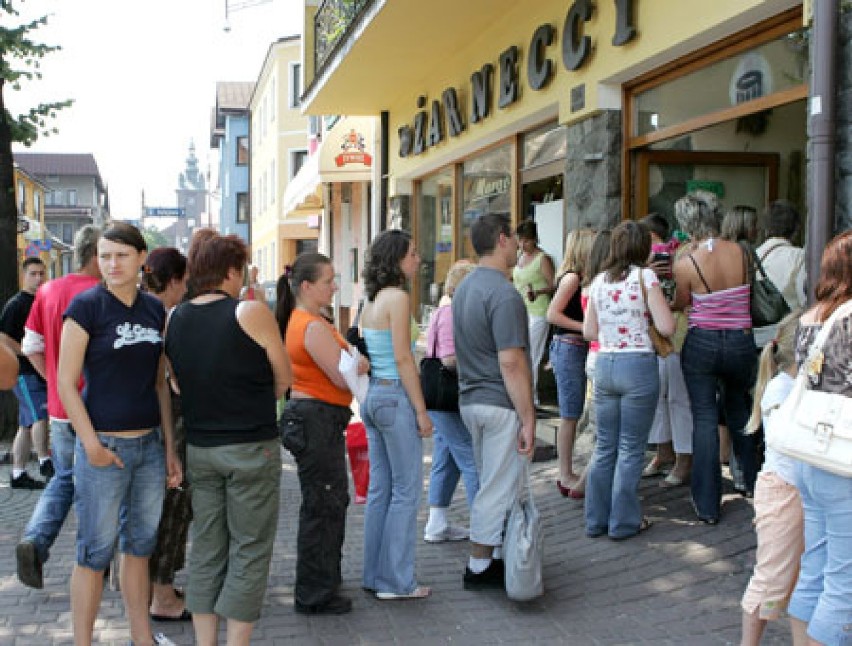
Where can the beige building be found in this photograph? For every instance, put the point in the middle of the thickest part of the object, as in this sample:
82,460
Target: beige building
279,135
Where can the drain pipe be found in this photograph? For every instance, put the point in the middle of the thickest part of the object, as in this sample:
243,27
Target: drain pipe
821,219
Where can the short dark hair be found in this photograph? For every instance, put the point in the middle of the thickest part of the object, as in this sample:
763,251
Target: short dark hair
782,219
124,233
163,265
630,245
486,230
307,267
381,262
658,225
32,260
211,256
527,230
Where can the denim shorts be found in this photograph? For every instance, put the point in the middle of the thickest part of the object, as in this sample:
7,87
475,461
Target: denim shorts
31,391
568,358
119,502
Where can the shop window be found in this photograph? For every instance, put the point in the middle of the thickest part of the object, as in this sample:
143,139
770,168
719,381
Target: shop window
544,145
242,207
486,188
242,151
772,73
436,211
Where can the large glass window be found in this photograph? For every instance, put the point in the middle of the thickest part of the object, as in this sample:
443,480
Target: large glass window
770,68
486,188
434,237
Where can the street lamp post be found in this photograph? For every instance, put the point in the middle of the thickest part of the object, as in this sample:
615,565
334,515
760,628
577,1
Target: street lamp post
231,7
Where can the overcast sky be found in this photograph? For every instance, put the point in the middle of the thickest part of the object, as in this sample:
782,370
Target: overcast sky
143,78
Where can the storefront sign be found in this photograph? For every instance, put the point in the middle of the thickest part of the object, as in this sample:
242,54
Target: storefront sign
428,127
353,148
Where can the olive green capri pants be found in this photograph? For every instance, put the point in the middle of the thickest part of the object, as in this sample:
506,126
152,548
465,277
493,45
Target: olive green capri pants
235,494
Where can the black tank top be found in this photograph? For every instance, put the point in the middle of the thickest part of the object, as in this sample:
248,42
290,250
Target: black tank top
226,383
573,310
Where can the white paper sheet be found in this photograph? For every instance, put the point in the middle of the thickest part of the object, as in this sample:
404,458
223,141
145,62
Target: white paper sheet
348,367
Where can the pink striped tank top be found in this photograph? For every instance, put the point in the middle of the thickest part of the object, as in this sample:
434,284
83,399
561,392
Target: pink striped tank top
726,309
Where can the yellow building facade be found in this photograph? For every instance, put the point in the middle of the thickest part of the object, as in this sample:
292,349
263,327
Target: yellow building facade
35,240
573,113
278,150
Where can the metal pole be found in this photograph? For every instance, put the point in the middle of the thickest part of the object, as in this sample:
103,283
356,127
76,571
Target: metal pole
821,218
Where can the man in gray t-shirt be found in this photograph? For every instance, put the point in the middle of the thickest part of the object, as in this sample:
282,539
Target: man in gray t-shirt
495,384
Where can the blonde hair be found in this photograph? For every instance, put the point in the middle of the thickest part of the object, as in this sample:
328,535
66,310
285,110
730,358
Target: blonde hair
740,223
777,355
578,245
457,272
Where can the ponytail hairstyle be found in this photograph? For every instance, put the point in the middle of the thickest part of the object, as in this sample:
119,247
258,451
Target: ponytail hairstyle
307,267
163,265
777,355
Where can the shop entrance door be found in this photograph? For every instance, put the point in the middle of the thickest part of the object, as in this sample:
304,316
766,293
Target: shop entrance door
738,178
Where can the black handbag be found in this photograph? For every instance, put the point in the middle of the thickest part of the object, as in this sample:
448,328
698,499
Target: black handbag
768,305
353,334
440,384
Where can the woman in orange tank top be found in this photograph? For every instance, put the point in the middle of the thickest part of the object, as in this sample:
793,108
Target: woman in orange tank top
319,411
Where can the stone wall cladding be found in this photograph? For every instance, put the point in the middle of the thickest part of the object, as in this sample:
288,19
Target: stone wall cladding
593,171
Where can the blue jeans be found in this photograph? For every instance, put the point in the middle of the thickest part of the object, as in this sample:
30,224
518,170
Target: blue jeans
452,457
396,480
627,386
119,502
710,359
55,501
823,594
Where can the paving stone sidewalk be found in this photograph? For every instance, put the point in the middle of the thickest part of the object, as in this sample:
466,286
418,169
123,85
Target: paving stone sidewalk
678,583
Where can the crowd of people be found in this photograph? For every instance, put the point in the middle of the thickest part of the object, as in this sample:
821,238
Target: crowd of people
162,377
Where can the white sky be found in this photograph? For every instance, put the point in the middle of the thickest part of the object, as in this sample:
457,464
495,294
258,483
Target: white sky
143,78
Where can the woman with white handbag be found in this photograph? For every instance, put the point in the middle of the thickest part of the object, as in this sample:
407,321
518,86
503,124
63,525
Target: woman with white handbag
821,605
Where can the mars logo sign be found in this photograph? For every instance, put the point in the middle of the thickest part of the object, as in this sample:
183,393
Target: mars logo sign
353,147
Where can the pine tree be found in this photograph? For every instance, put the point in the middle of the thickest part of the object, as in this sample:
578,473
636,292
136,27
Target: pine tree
20,61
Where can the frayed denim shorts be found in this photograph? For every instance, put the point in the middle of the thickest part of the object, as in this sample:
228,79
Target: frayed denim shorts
568,357
113,502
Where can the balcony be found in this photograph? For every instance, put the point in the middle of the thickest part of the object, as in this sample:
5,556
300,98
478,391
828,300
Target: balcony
331,23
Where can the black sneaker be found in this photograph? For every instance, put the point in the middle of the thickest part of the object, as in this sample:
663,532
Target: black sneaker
29,565
46,470
24,481
494,576
336,605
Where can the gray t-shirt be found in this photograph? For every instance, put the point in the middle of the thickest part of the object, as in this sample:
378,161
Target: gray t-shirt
488,316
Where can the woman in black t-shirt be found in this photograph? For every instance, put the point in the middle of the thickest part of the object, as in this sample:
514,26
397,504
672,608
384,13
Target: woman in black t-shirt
112,336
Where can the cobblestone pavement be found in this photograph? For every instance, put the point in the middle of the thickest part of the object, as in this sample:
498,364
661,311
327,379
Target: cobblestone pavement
678,583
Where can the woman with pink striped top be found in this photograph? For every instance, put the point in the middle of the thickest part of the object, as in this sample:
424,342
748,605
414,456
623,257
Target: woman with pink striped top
718,355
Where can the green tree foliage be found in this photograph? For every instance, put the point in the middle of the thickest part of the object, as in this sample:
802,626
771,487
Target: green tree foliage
154,238
20,61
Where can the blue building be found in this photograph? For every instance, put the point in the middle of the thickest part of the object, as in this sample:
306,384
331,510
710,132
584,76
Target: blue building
229,134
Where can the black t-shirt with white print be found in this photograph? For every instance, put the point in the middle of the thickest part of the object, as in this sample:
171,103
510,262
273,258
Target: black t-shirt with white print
121,361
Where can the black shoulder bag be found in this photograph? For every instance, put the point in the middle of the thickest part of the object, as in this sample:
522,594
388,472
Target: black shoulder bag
439,383
353,334
768,305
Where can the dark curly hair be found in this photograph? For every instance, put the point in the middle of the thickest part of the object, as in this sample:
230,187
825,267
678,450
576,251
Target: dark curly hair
381,262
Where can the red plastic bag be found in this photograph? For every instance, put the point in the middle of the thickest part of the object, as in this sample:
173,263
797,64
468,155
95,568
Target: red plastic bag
359,460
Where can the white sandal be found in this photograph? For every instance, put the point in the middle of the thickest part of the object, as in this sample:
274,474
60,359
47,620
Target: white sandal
420,592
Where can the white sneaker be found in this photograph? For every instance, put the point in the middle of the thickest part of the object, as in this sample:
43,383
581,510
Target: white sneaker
449,533
161,640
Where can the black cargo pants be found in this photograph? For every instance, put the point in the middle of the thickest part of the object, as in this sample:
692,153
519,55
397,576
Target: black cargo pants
325,496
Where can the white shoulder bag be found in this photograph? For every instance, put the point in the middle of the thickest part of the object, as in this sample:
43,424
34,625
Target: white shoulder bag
811,426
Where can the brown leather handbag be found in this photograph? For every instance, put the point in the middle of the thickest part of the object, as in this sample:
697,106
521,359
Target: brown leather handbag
663,345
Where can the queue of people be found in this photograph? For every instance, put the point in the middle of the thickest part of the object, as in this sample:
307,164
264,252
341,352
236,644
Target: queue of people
157,359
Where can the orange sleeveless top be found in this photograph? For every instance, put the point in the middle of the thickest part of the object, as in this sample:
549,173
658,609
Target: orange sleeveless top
308,377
